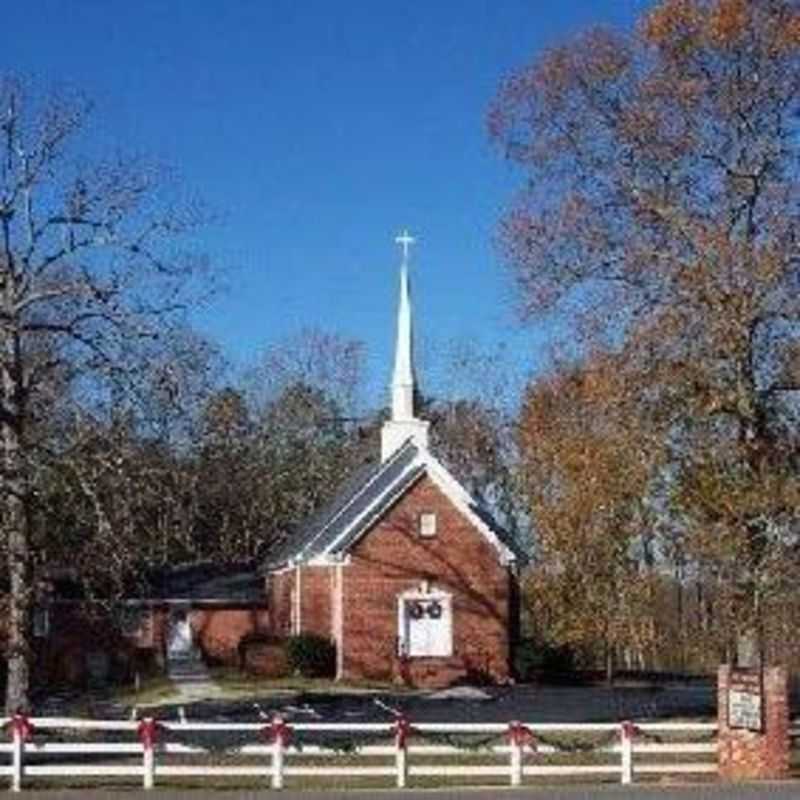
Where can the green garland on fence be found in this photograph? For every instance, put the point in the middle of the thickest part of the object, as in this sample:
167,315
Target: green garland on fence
345,743
228,742
467,743
649,737
350,744
575,746
215,742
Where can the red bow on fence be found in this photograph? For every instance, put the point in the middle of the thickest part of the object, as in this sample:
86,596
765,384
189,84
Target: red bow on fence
20,726
277,731
401,730
628,729
148,731
521,735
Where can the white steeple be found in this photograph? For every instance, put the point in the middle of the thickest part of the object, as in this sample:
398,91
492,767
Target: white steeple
403,424
403,375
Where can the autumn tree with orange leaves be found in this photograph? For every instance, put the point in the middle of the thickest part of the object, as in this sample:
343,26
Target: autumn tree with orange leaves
587,462
661,208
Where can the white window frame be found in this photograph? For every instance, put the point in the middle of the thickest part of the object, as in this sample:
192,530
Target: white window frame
445,600
428,524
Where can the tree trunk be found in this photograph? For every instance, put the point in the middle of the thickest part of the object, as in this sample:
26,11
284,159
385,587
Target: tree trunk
19,602
610,664
15,521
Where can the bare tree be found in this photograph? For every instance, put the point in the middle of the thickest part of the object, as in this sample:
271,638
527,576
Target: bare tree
327,361
90,264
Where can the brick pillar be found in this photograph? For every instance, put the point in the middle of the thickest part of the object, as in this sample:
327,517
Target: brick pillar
745,754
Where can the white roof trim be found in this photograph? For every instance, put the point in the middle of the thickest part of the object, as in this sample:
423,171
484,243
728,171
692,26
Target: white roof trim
451,488
463,501
327,559
420,594
390,491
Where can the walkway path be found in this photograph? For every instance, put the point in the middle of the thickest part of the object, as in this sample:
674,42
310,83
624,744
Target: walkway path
192,680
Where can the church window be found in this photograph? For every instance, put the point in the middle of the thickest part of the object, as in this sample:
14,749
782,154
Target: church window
427,524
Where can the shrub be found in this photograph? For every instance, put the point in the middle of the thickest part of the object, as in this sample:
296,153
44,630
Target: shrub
264,655
311,656
533,656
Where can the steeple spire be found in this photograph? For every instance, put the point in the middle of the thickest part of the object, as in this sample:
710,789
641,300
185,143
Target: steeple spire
403,424
403,375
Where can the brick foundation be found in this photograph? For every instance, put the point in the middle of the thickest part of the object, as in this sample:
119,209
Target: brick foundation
747,754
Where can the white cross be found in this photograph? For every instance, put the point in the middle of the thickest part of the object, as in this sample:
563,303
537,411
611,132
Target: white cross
405,240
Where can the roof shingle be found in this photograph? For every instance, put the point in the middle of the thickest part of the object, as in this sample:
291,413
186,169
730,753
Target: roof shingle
359,494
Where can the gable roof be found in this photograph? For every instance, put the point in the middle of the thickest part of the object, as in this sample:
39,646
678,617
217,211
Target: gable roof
299,539
355,497
364,499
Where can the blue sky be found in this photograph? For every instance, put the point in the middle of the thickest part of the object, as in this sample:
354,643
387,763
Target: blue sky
317,130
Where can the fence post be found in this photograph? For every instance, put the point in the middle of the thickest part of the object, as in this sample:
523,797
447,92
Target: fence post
17,754
149,764
627,731
148,731
516,763
277,763
401,730
519,736
279,733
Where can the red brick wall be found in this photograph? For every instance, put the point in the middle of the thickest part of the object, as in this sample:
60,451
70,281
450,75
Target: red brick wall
316,584
158,626
218,631
391,559
61,656
746,754
281,594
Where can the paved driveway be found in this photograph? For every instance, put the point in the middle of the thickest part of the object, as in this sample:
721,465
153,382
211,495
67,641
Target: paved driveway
494,704
529,703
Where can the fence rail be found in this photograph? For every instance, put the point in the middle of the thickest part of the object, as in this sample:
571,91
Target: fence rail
511,750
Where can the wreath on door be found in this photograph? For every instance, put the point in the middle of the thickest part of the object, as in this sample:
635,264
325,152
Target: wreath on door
435,610
416,610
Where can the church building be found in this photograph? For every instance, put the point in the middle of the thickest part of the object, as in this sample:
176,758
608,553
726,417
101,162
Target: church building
403,571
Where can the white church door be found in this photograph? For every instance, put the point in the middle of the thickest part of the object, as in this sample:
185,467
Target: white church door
425,621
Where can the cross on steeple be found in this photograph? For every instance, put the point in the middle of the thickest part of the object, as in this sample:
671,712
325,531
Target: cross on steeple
405,240
403,424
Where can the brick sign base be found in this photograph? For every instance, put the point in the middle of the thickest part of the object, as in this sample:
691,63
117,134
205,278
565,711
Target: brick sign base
745,754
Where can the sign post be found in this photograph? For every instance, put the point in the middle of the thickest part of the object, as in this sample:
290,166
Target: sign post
746,700
753,714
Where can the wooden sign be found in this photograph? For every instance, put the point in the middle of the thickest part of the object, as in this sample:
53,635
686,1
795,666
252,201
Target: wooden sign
745,700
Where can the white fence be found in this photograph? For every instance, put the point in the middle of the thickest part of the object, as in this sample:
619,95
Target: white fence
277,751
